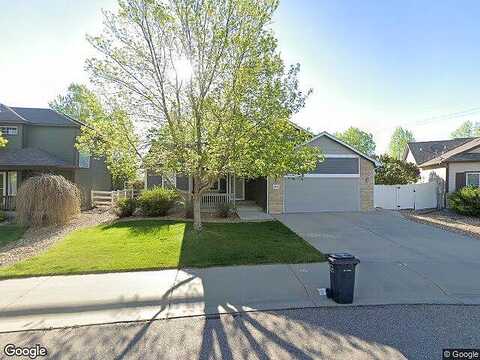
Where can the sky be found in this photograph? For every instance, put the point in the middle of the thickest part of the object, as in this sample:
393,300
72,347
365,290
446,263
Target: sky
371,64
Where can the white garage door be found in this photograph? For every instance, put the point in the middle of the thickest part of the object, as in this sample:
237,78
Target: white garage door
317,194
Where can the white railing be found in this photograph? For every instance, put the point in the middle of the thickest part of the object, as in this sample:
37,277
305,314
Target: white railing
212,200
108,198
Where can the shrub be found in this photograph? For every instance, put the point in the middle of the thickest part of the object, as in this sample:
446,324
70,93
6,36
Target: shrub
47,200
157,201
395,172
125,207
466,201
225,210
3,216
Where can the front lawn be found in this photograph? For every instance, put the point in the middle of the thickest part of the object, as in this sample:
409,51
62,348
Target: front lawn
156,244
10,233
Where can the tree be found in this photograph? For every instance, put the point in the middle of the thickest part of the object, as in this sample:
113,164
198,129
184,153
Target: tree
393,171
467,129
360,140
107,133
207,80
398,142
3,141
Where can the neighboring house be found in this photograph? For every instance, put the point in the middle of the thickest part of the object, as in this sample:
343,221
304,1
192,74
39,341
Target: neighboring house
342,182
43,141
452,164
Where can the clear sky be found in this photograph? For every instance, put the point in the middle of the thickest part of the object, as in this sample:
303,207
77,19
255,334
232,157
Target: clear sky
371,63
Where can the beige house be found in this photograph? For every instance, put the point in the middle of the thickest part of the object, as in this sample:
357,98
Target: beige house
342,182
452,164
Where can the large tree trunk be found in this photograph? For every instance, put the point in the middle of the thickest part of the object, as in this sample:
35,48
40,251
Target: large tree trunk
197,202
197,215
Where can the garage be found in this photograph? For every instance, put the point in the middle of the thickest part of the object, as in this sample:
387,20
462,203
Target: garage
342,181
312,194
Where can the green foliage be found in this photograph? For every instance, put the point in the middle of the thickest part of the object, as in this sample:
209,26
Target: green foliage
157,201
3,141
467,129
136,184
225,210
396,172
3,216
398,143
125,207
465,201
360,140
107,133
208,81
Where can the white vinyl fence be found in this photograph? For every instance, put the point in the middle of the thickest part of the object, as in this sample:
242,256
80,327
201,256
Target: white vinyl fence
412,196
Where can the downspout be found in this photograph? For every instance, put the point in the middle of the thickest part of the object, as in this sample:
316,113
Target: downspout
268,186
447,184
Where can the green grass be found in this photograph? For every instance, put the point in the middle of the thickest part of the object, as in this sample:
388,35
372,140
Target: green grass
9,233
155,244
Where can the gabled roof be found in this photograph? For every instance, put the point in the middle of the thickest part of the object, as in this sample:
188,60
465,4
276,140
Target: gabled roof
9,116
424,151
35,116
31,157
456,153
39,116
331,137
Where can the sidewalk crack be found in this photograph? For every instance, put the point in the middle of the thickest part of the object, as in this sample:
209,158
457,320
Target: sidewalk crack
302,283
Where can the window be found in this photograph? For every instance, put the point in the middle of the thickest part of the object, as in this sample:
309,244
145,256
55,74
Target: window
473,179
83,160
12,183
9,130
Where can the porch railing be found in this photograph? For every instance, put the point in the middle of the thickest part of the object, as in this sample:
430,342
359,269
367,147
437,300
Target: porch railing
210,201
7,203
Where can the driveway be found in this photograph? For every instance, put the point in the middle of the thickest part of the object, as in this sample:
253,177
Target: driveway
396,252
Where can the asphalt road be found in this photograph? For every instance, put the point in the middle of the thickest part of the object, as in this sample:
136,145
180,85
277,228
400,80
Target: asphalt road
364,332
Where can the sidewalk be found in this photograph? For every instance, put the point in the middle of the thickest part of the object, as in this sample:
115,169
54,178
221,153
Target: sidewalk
58,301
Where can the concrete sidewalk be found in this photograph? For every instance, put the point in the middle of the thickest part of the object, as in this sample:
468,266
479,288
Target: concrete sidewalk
58,301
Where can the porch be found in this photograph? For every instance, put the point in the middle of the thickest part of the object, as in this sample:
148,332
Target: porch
8,189
238,191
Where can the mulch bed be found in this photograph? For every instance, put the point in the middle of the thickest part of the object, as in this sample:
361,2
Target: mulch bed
447,220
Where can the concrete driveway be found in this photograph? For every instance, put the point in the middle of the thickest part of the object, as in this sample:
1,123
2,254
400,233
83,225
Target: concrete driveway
397,255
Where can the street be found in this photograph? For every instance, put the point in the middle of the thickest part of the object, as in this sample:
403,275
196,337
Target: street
364,332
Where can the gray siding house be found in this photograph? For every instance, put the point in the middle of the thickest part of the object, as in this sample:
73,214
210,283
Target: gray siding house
342,182
452,164
43,141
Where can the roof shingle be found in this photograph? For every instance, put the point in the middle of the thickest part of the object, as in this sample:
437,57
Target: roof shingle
428,150
31,157
38,116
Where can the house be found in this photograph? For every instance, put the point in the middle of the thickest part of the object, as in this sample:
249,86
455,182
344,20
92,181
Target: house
342,182
43,141
452,164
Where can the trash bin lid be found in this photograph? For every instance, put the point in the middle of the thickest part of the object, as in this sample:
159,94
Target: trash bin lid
341,256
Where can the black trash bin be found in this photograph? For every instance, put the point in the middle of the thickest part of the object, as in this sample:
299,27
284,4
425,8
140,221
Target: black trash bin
342,277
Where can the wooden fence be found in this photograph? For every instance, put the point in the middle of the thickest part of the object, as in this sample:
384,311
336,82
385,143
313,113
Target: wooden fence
108,198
